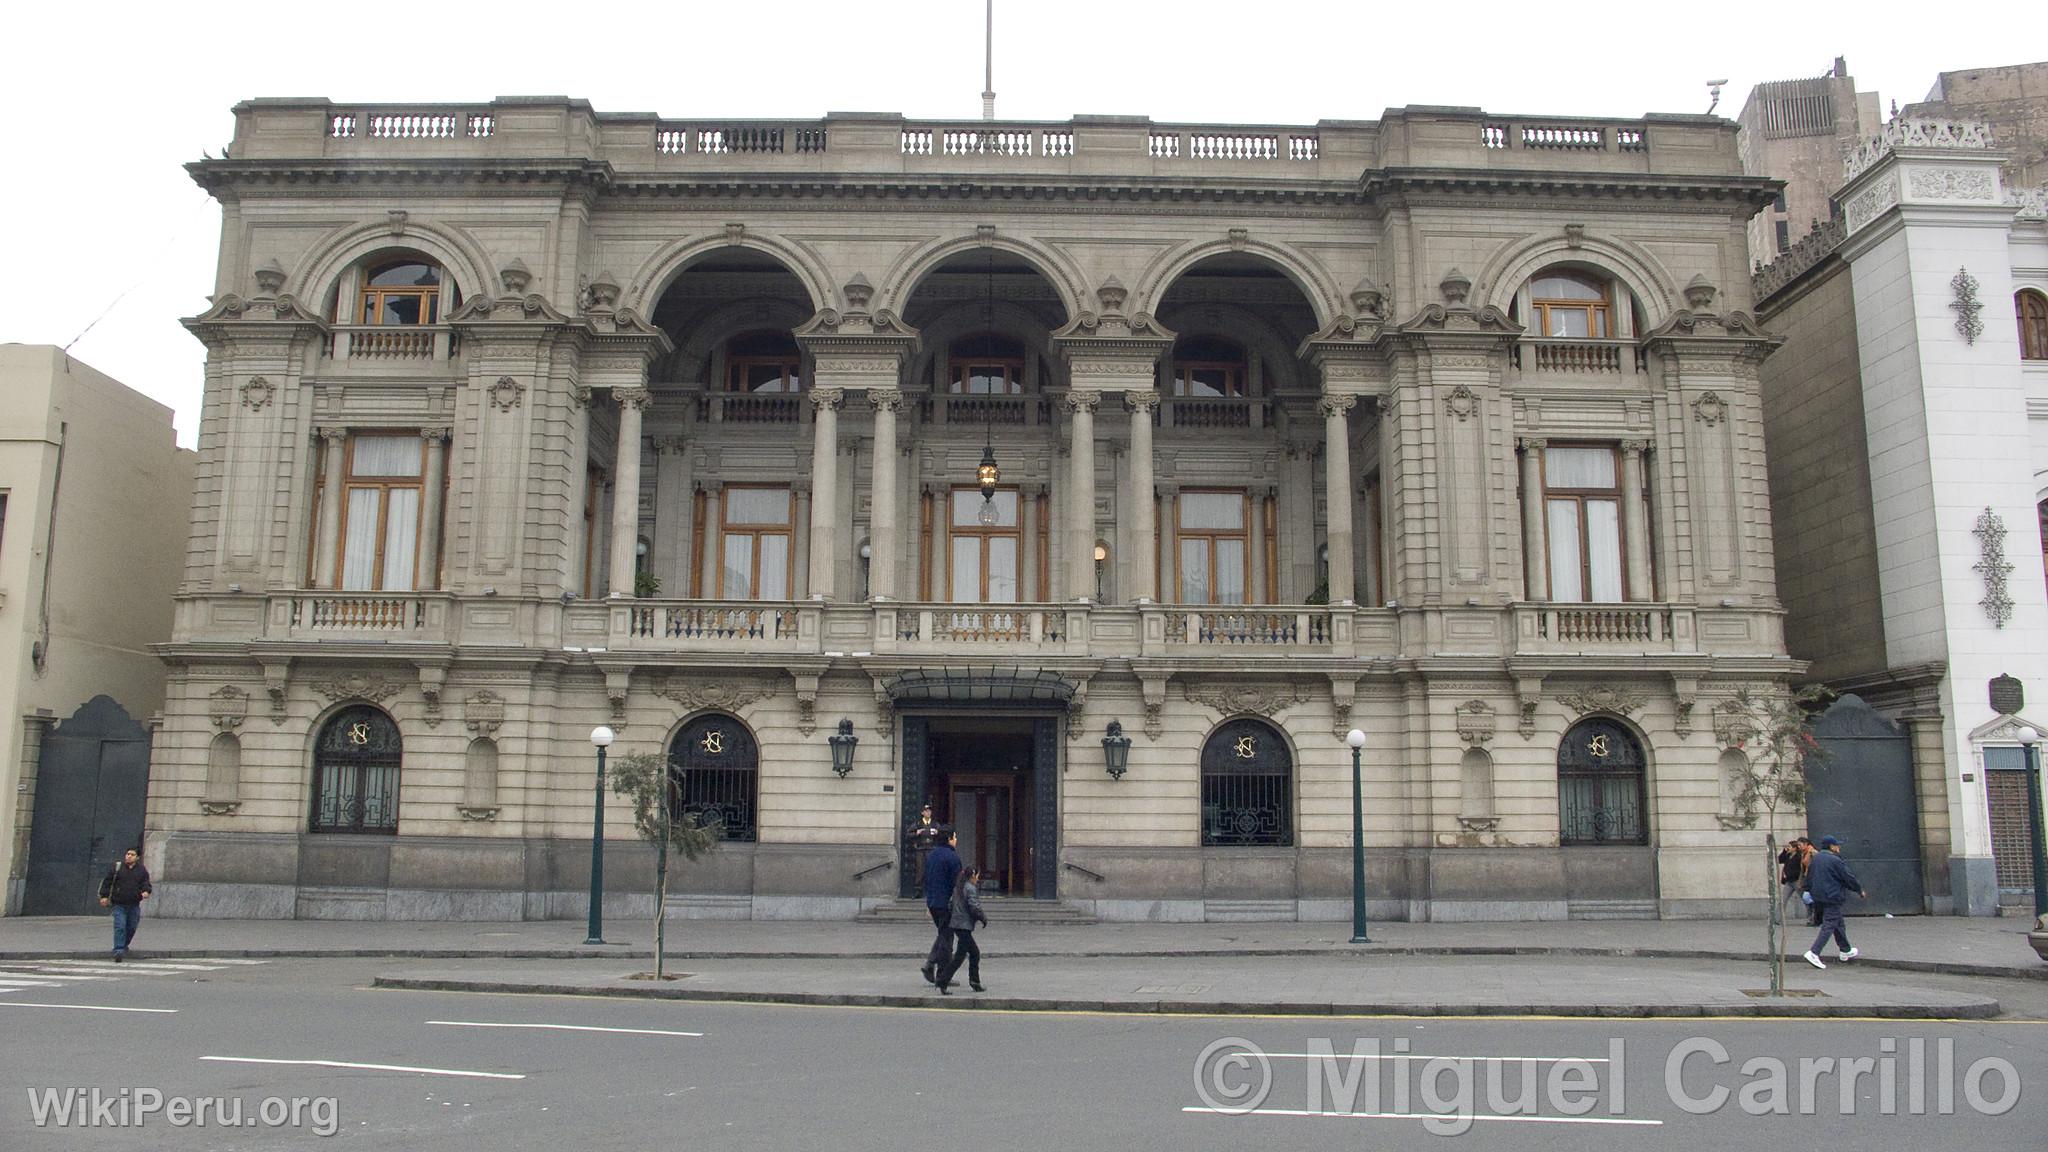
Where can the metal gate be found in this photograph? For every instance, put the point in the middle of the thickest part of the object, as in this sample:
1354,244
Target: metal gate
91,782
1862,792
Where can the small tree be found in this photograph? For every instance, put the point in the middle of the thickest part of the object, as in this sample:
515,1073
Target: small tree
1775,735
643,779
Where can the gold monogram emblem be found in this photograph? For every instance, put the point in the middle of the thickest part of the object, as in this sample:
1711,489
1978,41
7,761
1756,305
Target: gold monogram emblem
713,742
1597,746
359,733
1247,747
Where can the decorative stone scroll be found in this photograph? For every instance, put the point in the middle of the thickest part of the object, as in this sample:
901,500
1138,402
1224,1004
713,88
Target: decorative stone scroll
1621,701
358,686
505,393
724,695
227,706
483,712
257,394
1966,306
1709,409
1268,700
1477,722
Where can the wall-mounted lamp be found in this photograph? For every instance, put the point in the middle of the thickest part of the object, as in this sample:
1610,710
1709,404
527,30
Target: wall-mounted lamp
1116,751
843,743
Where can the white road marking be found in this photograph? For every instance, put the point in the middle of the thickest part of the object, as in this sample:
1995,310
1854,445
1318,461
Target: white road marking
11,971
371,1067
87,1007
19,982
1437,1116
1427,1056
219,960
141,966
563,1028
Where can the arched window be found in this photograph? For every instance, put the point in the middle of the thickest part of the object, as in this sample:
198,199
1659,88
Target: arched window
714,774
1208,366
1247,786
1570,305
2031,309
355,772
400,292
764,362
1600,789
985,365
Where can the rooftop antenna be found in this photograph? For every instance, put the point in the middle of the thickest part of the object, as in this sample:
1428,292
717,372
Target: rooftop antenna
1714,90
988,80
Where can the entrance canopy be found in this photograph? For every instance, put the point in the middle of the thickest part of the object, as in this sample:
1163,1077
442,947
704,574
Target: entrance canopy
979,687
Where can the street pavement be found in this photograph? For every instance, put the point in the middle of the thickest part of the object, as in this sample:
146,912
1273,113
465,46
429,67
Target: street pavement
453,1071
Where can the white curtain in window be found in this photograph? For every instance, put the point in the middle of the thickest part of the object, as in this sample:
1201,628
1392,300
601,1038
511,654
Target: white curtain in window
1194,571
388,455
1603,550
1212,511
967,504
1565,586
359,541
401,538
966,569
1002,570
1229,572
774,574
757,505
739,568
1578,468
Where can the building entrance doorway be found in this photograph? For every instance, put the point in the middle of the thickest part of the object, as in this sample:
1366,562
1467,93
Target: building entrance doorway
991,779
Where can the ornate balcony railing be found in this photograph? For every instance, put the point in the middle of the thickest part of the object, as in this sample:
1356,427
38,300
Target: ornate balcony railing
414,344
358,612
752,408
1579,357
1595,627
1308,626
1213,412
982,624
714,622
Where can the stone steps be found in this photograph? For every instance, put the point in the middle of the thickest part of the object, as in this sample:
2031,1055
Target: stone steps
1008,910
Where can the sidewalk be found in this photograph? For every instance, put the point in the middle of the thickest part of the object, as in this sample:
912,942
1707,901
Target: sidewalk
1312,985
1947,945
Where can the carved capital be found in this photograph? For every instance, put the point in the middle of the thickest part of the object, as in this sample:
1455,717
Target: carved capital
1532,443
1336,406
827,399
1074,403
1142,402
434,435
637,399
886,399
334,436
1634,447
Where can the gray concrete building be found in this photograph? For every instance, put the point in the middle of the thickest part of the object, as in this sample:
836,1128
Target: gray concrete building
1797,131
522,418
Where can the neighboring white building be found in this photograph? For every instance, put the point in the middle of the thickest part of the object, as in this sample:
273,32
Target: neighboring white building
1444,426
1908,420
95,502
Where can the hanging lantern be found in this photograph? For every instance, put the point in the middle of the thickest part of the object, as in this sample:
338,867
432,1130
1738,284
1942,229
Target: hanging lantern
987,475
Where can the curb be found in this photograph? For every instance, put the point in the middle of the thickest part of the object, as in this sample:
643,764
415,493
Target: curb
1802,1008
1364,953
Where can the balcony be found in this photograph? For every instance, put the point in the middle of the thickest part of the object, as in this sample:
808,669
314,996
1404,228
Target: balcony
408,347
751,408
1211,412
1617,628
1610,358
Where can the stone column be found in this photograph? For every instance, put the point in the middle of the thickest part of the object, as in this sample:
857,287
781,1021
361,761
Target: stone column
626,488
327,552
1167,552
1080,407
824,541
1027,550
1535,557
1635,521
431,503
884,536
1337,495
1143,544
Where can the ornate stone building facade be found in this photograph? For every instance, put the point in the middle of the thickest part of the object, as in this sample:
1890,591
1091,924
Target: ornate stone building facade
522,418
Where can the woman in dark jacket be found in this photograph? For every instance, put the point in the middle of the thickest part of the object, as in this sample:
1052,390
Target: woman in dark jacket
966,914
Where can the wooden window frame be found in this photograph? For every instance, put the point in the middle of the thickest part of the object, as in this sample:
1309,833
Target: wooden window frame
959,369
370,299
384,486
2033,330
1234,378
1182,534
1580,496
792,374
727,530
985,533
1599,313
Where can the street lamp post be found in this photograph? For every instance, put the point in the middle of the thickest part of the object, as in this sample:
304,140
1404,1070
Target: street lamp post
2031,740
1356,739
601,739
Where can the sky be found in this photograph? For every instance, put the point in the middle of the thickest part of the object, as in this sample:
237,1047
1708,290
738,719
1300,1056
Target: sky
107,102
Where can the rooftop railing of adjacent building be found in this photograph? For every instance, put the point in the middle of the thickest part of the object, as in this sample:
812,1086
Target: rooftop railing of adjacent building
525,129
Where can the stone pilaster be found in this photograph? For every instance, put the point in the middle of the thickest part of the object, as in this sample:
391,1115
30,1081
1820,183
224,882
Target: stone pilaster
824,527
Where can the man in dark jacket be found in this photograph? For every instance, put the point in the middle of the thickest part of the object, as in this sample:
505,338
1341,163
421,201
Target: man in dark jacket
124,890
941,869
1829,880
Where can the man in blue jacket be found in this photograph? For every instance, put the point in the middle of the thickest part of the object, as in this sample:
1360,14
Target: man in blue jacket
1829,882
941,869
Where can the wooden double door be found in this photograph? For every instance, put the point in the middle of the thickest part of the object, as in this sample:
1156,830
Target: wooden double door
984,812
